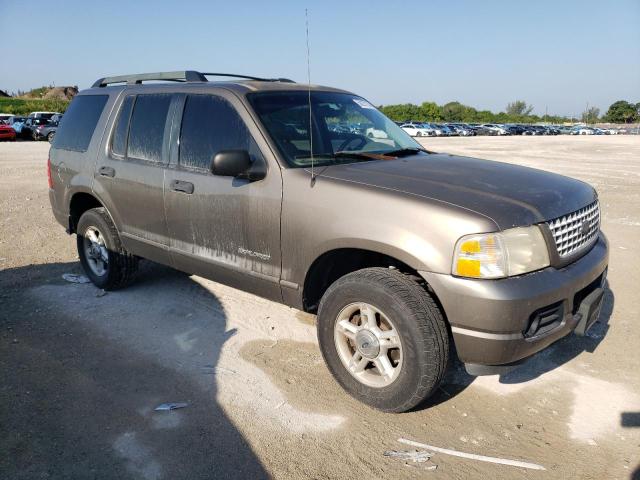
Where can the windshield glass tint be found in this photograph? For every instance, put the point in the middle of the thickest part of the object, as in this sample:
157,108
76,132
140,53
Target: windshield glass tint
342,124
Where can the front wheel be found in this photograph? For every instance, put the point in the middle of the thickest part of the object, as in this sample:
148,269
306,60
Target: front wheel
51,136
383,338
105,261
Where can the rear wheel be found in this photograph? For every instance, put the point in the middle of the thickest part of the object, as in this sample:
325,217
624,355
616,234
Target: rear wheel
383,338
51,136
104,259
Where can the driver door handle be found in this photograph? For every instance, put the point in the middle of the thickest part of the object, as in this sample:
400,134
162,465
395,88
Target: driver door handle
181,186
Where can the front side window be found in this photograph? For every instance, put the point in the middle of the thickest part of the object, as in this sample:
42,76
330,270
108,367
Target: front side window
343,128
210,124
146,131
79,122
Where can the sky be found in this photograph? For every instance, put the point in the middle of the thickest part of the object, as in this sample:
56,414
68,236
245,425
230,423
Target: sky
558,56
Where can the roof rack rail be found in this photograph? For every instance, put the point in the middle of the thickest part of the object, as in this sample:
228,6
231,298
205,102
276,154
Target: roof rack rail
285,80
178,76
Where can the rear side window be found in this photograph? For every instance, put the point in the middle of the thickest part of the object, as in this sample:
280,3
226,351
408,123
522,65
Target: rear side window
119,139
210,124
79,122
148,121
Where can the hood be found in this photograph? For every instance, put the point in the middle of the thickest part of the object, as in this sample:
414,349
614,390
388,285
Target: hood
511,195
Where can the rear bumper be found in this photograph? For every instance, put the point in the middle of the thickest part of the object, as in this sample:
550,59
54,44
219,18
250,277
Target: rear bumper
493,321
61,217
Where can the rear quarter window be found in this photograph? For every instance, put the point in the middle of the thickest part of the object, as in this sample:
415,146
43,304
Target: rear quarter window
119,139
79,122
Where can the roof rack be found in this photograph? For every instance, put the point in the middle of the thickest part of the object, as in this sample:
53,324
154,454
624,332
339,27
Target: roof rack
178,76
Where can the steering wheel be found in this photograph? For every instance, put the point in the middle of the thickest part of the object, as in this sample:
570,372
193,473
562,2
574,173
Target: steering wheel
362,141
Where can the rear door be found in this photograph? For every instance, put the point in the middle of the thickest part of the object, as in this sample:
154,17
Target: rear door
223,228
129,174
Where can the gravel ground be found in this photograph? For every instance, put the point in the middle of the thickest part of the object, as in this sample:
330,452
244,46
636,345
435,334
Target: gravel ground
81,372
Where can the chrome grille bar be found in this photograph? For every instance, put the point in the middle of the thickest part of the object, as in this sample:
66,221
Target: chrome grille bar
576,231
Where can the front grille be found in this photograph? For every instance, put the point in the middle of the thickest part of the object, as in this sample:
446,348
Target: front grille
577,230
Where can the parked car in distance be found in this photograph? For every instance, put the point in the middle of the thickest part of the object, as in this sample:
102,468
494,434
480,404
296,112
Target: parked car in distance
515,129
4,117
7,132
461,130
402,253
446,131
483,130
47,131
14,119
417,130
16,123
499,129
581,130
42,115
28,129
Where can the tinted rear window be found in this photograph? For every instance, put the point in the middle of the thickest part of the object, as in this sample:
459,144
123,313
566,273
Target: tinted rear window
148,121
79,122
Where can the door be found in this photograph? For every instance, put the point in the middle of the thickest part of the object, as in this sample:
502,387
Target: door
223,228
129,174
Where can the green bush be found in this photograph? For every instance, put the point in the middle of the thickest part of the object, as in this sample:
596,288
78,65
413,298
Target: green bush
21,106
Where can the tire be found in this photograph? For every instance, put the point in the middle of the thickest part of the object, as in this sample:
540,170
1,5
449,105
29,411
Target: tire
418,322
51,136
120,266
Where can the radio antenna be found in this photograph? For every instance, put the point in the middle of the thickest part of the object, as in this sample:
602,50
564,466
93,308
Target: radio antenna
306,17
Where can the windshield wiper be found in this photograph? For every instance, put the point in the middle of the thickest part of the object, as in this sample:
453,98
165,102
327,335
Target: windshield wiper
403,151
357,155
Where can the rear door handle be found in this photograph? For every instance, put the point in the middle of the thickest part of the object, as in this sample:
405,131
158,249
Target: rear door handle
180,186
107,172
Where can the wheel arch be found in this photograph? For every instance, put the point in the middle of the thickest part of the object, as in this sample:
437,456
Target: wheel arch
80,202
337,262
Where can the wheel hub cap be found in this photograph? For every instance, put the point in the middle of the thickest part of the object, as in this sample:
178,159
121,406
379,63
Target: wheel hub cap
367,344
95,251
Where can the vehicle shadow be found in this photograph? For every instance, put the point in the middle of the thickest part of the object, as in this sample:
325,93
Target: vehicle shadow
81,373
631,420
559,353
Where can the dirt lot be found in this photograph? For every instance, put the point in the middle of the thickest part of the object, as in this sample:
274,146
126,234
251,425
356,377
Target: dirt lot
81,372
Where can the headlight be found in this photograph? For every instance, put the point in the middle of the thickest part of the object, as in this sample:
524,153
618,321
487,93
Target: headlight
500,254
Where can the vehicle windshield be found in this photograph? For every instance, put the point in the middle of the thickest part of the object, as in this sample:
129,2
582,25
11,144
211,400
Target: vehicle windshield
345,128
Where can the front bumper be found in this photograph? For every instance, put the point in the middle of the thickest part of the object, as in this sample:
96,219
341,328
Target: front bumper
491,320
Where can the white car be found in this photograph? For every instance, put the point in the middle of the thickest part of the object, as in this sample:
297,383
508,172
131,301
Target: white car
499,129
583,131
417,130
380,136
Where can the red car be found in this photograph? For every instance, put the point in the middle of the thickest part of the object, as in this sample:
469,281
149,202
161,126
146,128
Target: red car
7,133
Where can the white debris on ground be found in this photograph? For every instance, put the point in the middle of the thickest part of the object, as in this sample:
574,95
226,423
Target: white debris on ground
75,278
412,458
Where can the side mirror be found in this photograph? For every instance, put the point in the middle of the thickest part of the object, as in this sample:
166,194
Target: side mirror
230,163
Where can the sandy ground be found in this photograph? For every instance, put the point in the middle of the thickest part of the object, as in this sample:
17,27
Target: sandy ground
81,372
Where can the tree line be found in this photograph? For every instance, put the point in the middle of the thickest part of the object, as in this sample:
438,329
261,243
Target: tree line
515,112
